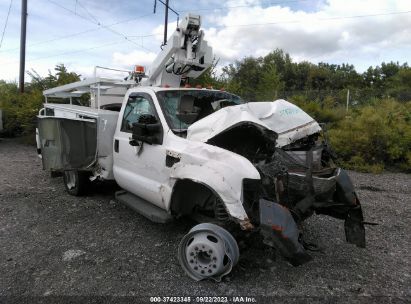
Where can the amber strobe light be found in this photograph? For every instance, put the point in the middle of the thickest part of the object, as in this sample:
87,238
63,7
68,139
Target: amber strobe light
139,69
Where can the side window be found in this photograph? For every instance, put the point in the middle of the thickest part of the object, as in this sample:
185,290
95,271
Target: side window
136,106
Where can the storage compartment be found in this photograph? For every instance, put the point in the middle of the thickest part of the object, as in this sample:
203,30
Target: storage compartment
67,143
77,137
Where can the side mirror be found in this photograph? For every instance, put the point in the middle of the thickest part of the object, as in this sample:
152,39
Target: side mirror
147,130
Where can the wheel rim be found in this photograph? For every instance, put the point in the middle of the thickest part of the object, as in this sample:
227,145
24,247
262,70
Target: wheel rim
208,251
70,179
205,254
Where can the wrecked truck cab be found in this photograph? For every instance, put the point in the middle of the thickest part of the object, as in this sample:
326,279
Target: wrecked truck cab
297,175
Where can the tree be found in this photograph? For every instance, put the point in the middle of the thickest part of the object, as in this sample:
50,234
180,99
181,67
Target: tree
244,77
52,80
270,83
400,85
284,67
301,72
209,77
20,110
319,78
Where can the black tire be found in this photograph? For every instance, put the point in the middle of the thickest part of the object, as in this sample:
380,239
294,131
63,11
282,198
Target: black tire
54,174
76,182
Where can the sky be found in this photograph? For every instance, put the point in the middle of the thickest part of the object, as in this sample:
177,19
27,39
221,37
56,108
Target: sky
120,34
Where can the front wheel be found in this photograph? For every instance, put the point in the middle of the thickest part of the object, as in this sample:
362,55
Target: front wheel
208,251
76,182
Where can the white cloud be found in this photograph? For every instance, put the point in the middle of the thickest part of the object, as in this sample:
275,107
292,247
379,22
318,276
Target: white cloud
158,31
362,41
314,36
137,57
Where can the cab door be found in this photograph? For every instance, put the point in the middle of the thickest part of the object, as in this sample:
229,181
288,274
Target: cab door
139,169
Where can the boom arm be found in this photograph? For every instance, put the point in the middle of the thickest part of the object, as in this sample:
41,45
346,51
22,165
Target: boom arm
186,54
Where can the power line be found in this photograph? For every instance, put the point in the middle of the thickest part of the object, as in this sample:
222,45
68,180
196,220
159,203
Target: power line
317,19
104,45
82,32
5,25
75,51
144,36
71,52
100,24
108,25
67,9
78,51
88,49
237,6
146,15
127,38
88,12
167,5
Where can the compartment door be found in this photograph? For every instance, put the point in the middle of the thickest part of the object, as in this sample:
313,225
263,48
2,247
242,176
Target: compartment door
67,143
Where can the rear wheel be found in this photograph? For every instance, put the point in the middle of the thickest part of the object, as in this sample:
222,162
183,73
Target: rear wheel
76,182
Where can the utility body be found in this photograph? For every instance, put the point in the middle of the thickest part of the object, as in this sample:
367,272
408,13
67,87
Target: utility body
205,153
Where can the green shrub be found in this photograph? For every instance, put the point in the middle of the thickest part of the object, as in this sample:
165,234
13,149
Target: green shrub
375,136
368,138
327,112
20,110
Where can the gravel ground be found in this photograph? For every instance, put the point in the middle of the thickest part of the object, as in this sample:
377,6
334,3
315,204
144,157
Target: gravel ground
56,244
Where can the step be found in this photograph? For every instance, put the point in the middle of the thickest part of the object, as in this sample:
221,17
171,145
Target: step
145,208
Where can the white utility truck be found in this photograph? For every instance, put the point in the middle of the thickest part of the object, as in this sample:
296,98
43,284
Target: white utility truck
260,167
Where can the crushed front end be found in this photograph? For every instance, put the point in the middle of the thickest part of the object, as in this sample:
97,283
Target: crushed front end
298,176
298,180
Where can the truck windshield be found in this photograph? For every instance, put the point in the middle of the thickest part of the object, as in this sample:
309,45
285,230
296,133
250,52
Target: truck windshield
184,107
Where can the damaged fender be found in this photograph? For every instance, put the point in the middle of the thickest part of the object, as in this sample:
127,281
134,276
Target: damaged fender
280,231
220,170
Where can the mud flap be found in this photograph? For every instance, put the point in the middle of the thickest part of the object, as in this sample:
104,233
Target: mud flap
354,220
280,231
354,227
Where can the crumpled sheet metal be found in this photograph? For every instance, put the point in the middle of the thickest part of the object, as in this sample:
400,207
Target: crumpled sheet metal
281,231
284,118
221,170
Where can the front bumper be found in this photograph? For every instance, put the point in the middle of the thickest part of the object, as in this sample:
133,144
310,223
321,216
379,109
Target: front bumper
334,196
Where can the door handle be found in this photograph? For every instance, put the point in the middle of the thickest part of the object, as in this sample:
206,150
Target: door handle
116,144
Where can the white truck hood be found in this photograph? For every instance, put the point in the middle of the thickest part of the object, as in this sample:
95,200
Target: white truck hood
287,120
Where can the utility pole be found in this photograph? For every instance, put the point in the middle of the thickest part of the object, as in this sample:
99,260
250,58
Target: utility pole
165,24
23,44
165,17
